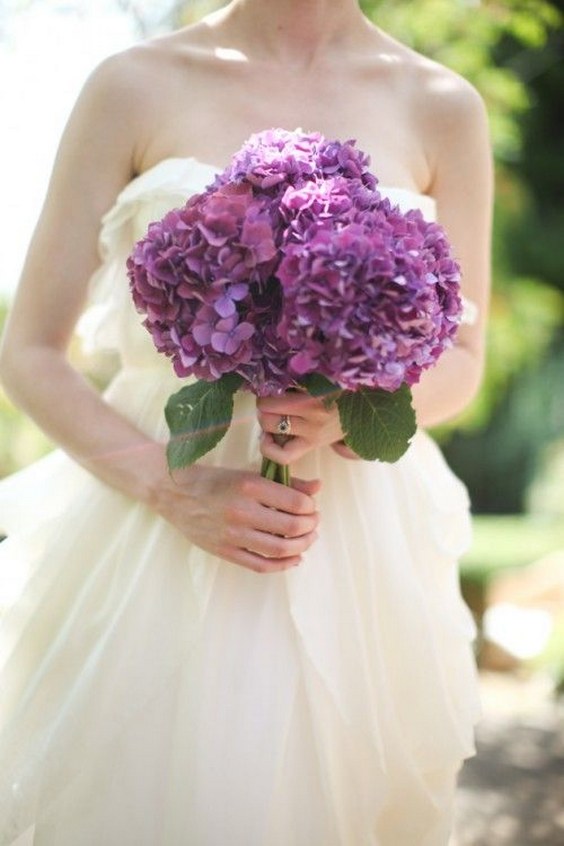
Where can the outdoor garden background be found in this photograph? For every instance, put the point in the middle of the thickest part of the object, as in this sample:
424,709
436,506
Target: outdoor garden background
508,447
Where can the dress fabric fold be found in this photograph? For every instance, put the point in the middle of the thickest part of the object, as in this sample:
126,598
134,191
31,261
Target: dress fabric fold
151,694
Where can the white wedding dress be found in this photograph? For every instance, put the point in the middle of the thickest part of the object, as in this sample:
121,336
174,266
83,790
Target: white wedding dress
153,695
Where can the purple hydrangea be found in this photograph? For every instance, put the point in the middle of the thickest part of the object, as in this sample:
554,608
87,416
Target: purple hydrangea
371,295
201,276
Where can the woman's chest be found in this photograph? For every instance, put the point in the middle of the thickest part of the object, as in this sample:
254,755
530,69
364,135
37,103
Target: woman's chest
210,118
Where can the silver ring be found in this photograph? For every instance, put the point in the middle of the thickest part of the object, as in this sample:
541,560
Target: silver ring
284,426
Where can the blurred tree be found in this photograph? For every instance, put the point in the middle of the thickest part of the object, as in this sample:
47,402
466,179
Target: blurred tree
536,234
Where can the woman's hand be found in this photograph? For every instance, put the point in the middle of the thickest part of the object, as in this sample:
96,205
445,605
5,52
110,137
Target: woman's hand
240,516
312,425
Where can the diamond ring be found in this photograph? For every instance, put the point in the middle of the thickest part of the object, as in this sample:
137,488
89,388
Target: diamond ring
284,426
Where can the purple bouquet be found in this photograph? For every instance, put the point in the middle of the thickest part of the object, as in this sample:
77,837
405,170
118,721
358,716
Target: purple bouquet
291,271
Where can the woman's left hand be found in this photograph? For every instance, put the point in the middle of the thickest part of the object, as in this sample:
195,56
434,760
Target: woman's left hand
312,425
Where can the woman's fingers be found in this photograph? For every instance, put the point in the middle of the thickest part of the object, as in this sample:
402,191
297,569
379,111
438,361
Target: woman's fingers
312,425
265,551
270,531
242,517
281,523
293,499
308,486
302,423
292,402
273,546
258,563
270,422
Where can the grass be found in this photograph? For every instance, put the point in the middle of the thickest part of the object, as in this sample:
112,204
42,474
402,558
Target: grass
502,541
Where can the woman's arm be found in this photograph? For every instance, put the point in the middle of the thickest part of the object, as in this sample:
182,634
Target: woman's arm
226,512
94,161
455,124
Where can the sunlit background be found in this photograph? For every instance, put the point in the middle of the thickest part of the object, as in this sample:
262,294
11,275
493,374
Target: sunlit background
508,448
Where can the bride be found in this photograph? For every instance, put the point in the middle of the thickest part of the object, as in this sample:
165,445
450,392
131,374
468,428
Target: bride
213,658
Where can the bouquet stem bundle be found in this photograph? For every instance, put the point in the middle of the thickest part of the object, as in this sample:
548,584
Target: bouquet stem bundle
272,469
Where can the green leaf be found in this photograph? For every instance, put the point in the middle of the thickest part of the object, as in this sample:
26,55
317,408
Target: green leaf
379,424
319,386
198,417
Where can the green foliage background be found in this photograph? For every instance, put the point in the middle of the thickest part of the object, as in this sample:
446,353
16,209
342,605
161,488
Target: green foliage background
511,50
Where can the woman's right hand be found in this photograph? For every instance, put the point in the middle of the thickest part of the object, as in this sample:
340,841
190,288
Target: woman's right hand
241,517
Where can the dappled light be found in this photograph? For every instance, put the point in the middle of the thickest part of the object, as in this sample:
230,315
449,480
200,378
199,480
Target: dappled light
229,55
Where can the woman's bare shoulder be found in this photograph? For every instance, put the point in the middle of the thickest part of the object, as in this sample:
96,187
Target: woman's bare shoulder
449,114
446,110
139,70
430,84
130,89
445,99
437,92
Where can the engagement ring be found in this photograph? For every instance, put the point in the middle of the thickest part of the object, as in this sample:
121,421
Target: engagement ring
284,425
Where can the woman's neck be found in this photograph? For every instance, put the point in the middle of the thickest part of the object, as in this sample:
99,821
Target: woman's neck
295,32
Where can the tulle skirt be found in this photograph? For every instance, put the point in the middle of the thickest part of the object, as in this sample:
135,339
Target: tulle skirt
154,695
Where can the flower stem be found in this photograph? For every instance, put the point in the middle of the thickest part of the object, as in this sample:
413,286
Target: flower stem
274,471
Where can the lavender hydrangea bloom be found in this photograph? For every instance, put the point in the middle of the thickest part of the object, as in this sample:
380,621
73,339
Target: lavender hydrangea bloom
200,277
371,295
274,159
